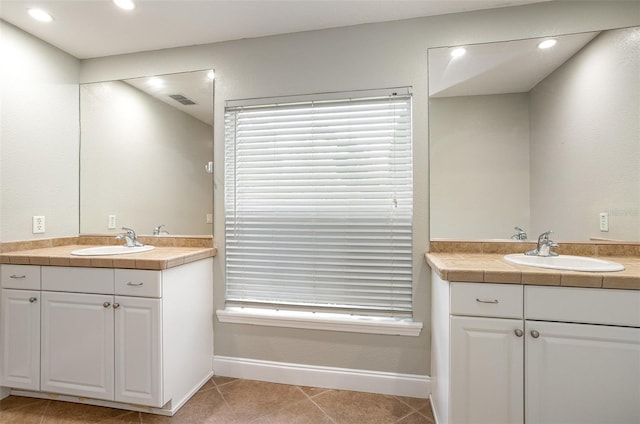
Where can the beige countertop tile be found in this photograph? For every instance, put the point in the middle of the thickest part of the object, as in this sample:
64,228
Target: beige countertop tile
492,268
158,258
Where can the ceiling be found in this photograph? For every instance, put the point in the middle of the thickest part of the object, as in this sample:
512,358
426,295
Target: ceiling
498,68
95,28
195,86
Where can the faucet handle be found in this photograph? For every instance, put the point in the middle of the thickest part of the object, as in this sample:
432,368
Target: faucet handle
129,230
544,236
520,234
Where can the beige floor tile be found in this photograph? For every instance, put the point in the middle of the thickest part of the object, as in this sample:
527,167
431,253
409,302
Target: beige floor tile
251,399
416,418
128,418
233,401
27,414
72,413
219,381
206,407
427,411
312,391
415,403
13,402
361,408
210,384
302,412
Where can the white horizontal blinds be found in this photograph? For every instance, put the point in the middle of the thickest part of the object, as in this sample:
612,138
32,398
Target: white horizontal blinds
318,205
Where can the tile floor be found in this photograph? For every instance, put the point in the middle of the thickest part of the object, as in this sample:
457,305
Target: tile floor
227,400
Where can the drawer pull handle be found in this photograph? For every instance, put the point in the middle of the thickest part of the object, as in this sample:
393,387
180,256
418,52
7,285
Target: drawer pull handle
134,284
535,334
519,332
116,305
33,299
106,304
487,301
17,277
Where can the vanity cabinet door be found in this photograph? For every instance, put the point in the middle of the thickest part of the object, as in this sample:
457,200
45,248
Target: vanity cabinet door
582,373
138,353
486,371
20,335
77,344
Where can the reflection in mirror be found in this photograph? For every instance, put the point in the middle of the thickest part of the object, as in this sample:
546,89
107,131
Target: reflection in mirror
539,139
145,144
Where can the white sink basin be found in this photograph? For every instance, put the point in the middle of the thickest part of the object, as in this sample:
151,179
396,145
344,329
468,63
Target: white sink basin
565,262
110,250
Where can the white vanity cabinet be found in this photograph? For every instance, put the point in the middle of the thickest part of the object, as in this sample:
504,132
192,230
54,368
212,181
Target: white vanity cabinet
124,336
113,342
77,344
477,352
506,353
138,351
587,368
20,326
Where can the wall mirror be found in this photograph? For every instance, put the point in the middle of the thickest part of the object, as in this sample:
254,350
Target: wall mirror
145,148
537,138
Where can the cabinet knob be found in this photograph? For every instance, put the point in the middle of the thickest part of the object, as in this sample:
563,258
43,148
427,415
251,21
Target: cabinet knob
106,304
33,299
535,334
116,305
519,332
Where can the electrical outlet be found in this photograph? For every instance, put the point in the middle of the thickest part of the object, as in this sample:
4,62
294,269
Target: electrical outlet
111,222
37,223
604,221
209,219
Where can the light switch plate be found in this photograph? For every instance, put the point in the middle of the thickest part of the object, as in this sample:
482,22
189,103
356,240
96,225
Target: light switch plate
604,221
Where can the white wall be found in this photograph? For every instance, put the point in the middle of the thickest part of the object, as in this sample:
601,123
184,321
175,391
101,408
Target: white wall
143,161
38,137
358,57
595,91
479,148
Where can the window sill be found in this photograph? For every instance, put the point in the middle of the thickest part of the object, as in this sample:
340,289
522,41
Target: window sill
320,321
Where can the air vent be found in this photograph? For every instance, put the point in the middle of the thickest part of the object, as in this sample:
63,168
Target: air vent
182,99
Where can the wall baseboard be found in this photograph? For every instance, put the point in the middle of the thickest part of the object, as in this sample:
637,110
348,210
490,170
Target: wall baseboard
410,385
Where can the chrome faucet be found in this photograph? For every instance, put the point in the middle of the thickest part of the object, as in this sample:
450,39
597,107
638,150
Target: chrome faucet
129,238
520,235
544,246
158,231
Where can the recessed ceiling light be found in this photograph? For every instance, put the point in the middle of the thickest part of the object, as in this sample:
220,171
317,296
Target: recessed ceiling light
211,75
125,4
40,15
547,43
156,82
458,52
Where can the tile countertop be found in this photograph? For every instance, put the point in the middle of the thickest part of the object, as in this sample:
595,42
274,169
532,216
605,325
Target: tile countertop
492,268
158,258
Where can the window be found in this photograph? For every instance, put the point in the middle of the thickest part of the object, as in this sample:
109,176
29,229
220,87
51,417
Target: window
319,202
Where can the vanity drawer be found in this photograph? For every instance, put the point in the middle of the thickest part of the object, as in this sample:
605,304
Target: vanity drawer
583,305
20,277
486,300
138,282
77,279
